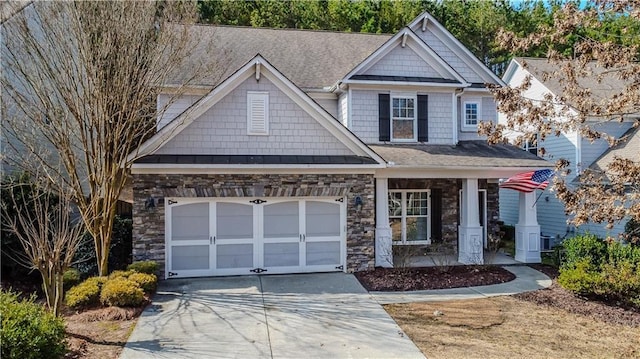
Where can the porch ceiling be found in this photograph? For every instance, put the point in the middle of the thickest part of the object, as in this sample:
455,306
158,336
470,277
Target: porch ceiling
467,154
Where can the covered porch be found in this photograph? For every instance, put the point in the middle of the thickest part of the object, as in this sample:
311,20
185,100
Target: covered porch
434,195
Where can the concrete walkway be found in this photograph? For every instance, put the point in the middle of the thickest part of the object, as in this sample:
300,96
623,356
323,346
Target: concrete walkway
527,279
326,315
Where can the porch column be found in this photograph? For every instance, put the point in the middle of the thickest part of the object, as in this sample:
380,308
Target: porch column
469,231
384,250
527,230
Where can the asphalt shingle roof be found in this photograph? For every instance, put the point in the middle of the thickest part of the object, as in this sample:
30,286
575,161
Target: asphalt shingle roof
629,149
609,84
310,59
466,154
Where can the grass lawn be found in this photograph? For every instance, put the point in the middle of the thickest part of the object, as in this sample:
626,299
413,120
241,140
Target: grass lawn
506,327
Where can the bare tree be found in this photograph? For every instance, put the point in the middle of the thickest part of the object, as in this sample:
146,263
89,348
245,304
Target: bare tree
42,221
80,82
585,57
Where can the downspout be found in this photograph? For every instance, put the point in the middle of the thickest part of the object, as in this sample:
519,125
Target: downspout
455,96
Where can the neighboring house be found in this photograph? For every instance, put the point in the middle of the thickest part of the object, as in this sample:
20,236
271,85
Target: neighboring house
319,151
579,151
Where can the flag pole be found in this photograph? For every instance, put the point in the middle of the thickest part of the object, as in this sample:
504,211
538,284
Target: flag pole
536,201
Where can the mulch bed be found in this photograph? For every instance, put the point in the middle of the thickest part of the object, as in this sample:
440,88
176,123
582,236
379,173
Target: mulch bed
404,279
558,297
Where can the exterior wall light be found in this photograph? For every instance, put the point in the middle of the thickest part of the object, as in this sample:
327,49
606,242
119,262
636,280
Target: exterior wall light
150,203
358,203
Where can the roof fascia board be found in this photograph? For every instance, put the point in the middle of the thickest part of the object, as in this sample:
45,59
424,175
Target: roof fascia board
450,39
510,71
454,172
421,85
251,169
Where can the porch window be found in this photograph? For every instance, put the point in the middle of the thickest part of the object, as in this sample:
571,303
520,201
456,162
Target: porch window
409,216
403,118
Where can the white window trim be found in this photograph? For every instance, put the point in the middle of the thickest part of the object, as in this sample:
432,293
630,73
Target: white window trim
265,96
403,216
464,113
413,96
527,146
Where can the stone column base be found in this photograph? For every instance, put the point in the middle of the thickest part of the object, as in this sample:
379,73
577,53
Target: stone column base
470,245
528,244
384,248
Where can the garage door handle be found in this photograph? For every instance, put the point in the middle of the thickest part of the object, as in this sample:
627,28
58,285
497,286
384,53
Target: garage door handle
304,237
300,237
212,240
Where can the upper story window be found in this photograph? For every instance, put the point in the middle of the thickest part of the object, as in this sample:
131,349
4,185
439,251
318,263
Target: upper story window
257,113
471,113
403,118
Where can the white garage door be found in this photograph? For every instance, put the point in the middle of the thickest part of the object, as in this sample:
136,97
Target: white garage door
207,236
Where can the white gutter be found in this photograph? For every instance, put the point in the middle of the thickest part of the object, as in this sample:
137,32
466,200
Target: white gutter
455,96
407,83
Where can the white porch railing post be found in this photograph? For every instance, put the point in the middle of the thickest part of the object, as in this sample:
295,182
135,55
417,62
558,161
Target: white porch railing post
469,231
384,250
527,230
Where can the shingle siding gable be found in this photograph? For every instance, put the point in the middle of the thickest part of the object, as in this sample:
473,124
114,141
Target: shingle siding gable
223,128
453,59
402,62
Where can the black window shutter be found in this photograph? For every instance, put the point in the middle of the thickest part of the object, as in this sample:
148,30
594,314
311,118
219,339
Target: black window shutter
436,214
384,117
423,118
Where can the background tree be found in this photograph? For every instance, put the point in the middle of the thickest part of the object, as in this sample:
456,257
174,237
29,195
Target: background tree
42,221
79,85
599,43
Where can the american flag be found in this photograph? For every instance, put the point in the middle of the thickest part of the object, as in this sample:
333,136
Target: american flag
529,181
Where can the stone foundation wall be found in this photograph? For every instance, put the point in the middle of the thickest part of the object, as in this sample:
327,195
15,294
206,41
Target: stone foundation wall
148,223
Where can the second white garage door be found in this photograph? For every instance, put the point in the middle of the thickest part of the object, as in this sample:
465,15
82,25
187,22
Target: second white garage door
207,237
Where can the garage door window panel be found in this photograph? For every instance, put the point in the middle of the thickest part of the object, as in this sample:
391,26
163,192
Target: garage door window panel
234,236
322,219
281,223
234,221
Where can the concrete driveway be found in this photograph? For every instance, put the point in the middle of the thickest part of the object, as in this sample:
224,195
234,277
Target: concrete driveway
325,315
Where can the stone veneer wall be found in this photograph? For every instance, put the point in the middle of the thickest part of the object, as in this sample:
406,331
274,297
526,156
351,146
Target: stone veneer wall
451,202
148,224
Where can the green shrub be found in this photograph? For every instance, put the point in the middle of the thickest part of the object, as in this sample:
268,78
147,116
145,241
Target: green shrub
86,293
121,292
28,330
619,281
120,274
620,253
582,278
149,267
585,247
70,278
148,282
